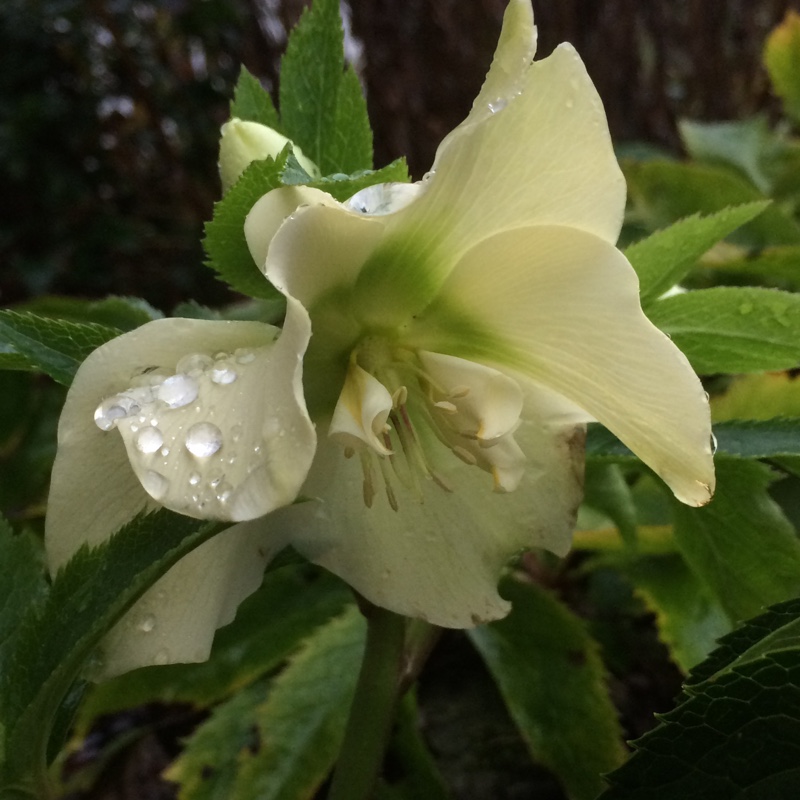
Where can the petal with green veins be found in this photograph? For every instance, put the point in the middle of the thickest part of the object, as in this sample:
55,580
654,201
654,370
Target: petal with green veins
581,332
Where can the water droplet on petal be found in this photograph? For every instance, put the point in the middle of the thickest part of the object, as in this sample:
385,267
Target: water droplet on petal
155,484
236,432
222,373
147,623
194,363
148,440
244,355
713,444
114,408
224,492
161,657
178,391
203,439
497,105
194,479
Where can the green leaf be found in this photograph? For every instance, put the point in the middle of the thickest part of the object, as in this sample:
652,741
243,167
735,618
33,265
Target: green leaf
269,626
782,60
224,241
663,191
551,677
342,187
322,106
741,545
56,347
748,145
296,732
773,266
773,438
736,736
733,329
55,638
120,313
607,491
689,618
662,259
251,101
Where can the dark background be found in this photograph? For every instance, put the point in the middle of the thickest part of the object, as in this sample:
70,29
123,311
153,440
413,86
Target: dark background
110,109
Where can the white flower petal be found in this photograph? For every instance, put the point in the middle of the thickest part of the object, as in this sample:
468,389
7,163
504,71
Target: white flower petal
94,489
175,620
487,403
361,412
512,58
272,210
564,310
439,556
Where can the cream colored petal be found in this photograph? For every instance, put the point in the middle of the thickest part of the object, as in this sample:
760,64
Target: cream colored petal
439,556
512,58
361,412
94,489
545,158
271,211
320,249
244,141
486,404
175,620
564,310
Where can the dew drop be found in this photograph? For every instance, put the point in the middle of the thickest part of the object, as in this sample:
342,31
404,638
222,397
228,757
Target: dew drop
194,362
713,444
148,440
203,439
178,391
745,308
165,451
147,623
224,492
236,432
113,409
155,484
161,657
194,479
222,374
244,355
497,105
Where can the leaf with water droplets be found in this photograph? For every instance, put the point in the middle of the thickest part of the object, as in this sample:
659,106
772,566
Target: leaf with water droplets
53,346
733,329
54,638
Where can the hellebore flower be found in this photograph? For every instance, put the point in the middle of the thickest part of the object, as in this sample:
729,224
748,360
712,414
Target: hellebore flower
453,336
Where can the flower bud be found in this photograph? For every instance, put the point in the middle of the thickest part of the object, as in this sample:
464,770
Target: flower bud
243,141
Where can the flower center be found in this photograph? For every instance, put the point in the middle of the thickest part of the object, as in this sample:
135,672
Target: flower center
398,407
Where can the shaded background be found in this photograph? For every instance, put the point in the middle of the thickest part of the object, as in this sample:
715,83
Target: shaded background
110,109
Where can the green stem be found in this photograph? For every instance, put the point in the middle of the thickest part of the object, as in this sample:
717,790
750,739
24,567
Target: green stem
372,712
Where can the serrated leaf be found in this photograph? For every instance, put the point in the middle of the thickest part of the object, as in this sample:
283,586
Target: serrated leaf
225,245
251,101
322,106
782,60
663,259
552,679
689,618
268,627
22,581
296,732
342,187
733,329
736,736
56,347
54,639
663,191
120,313
741,545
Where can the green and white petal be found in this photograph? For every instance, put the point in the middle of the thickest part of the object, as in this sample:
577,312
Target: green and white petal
175,620
236,374
438,557
564,310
